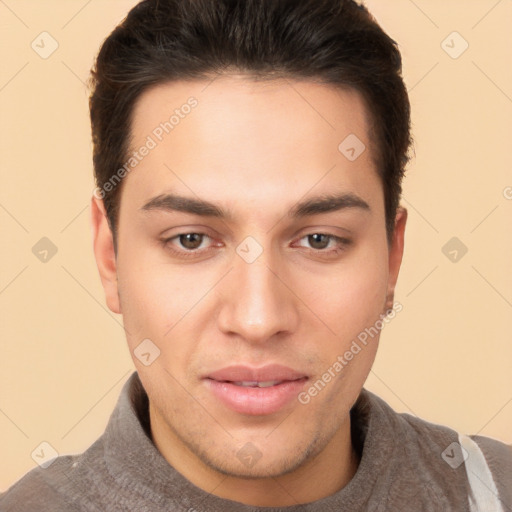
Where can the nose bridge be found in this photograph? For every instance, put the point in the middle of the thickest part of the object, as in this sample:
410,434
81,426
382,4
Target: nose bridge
256,305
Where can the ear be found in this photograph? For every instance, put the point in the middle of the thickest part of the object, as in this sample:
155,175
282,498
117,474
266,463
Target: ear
104,253
396,251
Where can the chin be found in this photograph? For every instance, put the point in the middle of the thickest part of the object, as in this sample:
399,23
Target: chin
253,460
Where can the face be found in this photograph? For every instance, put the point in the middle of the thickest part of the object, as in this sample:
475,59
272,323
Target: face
252,252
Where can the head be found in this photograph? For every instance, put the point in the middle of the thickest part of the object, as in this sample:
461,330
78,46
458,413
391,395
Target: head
249,157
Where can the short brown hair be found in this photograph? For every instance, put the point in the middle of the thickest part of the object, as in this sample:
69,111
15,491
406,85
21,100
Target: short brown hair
335,42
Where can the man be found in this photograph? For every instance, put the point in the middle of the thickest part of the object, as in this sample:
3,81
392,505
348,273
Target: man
249,157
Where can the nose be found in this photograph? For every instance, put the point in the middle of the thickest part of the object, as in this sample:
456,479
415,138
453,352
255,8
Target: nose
257,304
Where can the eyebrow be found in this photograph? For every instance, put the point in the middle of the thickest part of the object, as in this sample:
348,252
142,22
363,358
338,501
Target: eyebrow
313,206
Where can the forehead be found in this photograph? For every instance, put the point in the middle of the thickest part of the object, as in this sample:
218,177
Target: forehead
234,101
257,139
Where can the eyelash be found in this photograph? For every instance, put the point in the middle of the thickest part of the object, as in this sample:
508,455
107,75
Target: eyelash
343,244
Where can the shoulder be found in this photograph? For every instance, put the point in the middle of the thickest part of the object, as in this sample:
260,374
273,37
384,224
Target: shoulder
84,481
497,453
498,457
414,434
436,454
41,490
63,486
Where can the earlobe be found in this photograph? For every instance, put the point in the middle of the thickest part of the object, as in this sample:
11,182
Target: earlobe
396,251
104,253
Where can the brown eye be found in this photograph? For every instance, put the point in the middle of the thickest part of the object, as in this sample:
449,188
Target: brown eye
325,244
191,240
319,241
189,245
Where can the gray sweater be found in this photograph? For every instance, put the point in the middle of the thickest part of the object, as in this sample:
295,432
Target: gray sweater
401,469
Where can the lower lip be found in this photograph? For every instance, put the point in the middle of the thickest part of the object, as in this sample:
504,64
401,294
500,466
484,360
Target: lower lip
256,401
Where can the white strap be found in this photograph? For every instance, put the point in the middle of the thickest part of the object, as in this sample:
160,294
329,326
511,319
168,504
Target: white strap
485,496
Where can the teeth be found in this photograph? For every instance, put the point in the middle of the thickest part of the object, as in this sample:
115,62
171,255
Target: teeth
256,384
268,383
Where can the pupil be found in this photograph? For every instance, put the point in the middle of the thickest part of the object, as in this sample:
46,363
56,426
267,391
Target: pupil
191,240
319,241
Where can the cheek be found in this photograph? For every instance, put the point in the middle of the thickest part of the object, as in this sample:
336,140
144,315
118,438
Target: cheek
165,304
350,297
153,296
351,309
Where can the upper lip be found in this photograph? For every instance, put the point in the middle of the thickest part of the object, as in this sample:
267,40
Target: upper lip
241,373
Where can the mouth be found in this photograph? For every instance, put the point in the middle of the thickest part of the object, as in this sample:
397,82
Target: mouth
255,391
256,384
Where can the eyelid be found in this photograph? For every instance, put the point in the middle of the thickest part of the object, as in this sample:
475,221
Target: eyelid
206,236
184,254
341,241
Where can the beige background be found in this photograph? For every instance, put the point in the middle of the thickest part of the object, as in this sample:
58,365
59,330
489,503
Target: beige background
447,357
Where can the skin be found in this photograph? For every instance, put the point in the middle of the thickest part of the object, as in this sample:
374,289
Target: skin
255,150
